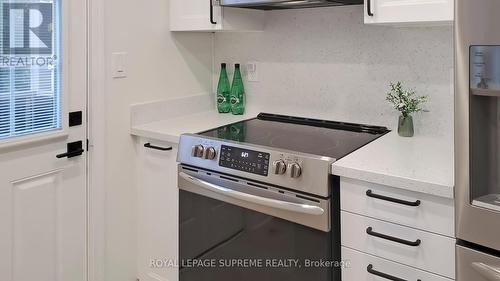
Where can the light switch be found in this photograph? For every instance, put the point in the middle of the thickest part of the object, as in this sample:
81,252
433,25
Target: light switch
119,64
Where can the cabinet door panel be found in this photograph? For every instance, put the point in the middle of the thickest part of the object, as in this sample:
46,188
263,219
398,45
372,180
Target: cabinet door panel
409,11
193,15
196,15
157,194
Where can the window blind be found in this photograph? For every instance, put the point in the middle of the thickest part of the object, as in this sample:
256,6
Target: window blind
30,92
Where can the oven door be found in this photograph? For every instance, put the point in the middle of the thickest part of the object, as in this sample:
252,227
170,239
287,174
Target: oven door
235,229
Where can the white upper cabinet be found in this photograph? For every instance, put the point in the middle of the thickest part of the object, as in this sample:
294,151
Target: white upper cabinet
207,15
409,12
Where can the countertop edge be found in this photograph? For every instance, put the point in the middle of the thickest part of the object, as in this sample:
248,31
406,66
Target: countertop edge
150,134
415,185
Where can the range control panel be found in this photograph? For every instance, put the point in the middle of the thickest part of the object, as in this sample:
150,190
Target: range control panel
245,160
305,173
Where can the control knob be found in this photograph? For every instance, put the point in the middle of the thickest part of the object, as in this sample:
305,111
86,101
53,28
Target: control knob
197,151
279,167
295,170
210,153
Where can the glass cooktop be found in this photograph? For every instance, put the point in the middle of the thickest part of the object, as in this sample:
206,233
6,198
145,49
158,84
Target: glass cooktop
312,136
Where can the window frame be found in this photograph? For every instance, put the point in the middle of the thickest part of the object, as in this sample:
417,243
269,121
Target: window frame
64,54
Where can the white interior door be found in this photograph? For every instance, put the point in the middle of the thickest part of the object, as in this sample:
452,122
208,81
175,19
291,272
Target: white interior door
43,199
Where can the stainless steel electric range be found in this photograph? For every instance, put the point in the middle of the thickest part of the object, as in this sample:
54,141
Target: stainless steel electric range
258,201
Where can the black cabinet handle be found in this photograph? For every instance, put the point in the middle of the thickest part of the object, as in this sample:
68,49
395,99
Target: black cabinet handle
370,231
212,13
370,193
73,149
384,275
150,146
369,7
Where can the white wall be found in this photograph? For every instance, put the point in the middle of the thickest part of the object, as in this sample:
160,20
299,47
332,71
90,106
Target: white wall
160,65
326,63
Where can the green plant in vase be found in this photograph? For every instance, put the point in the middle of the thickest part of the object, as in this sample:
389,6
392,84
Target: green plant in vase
406,102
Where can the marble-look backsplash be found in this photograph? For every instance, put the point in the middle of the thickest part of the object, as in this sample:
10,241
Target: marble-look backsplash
326,63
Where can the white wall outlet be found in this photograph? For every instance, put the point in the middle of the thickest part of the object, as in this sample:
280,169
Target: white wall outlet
252,69
119,65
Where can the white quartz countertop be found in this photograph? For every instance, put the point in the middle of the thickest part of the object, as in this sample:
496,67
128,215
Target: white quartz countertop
169,130
421,164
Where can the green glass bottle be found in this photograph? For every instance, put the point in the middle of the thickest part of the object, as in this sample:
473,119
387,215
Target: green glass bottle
237,92
223,91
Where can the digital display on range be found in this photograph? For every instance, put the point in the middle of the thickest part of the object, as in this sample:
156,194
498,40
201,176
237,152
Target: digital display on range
245,160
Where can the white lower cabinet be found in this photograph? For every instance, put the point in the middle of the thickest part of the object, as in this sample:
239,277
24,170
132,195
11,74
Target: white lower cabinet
430,252
413,209
395,234
157,211
365,267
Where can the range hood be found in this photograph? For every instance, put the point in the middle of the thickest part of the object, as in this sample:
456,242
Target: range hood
287,4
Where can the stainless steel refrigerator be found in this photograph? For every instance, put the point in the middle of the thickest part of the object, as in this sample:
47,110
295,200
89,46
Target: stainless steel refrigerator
477,138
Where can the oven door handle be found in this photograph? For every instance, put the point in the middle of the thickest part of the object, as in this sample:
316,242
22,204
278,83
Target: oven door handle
278,204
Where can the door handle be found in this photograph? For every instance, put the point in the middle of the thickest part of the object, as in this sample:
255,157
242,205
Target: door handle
73,149
487,271
416,243
273,203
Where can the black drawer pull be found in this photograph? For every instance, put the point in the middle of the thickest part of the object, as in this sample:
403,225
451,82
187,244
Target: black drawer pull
370,193
212,13
384,275
149,145
370,231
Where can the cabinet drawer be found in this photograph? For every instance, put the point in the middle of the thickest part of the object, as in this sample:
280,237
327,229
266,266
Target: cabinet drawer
358,263
416,248
434,214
